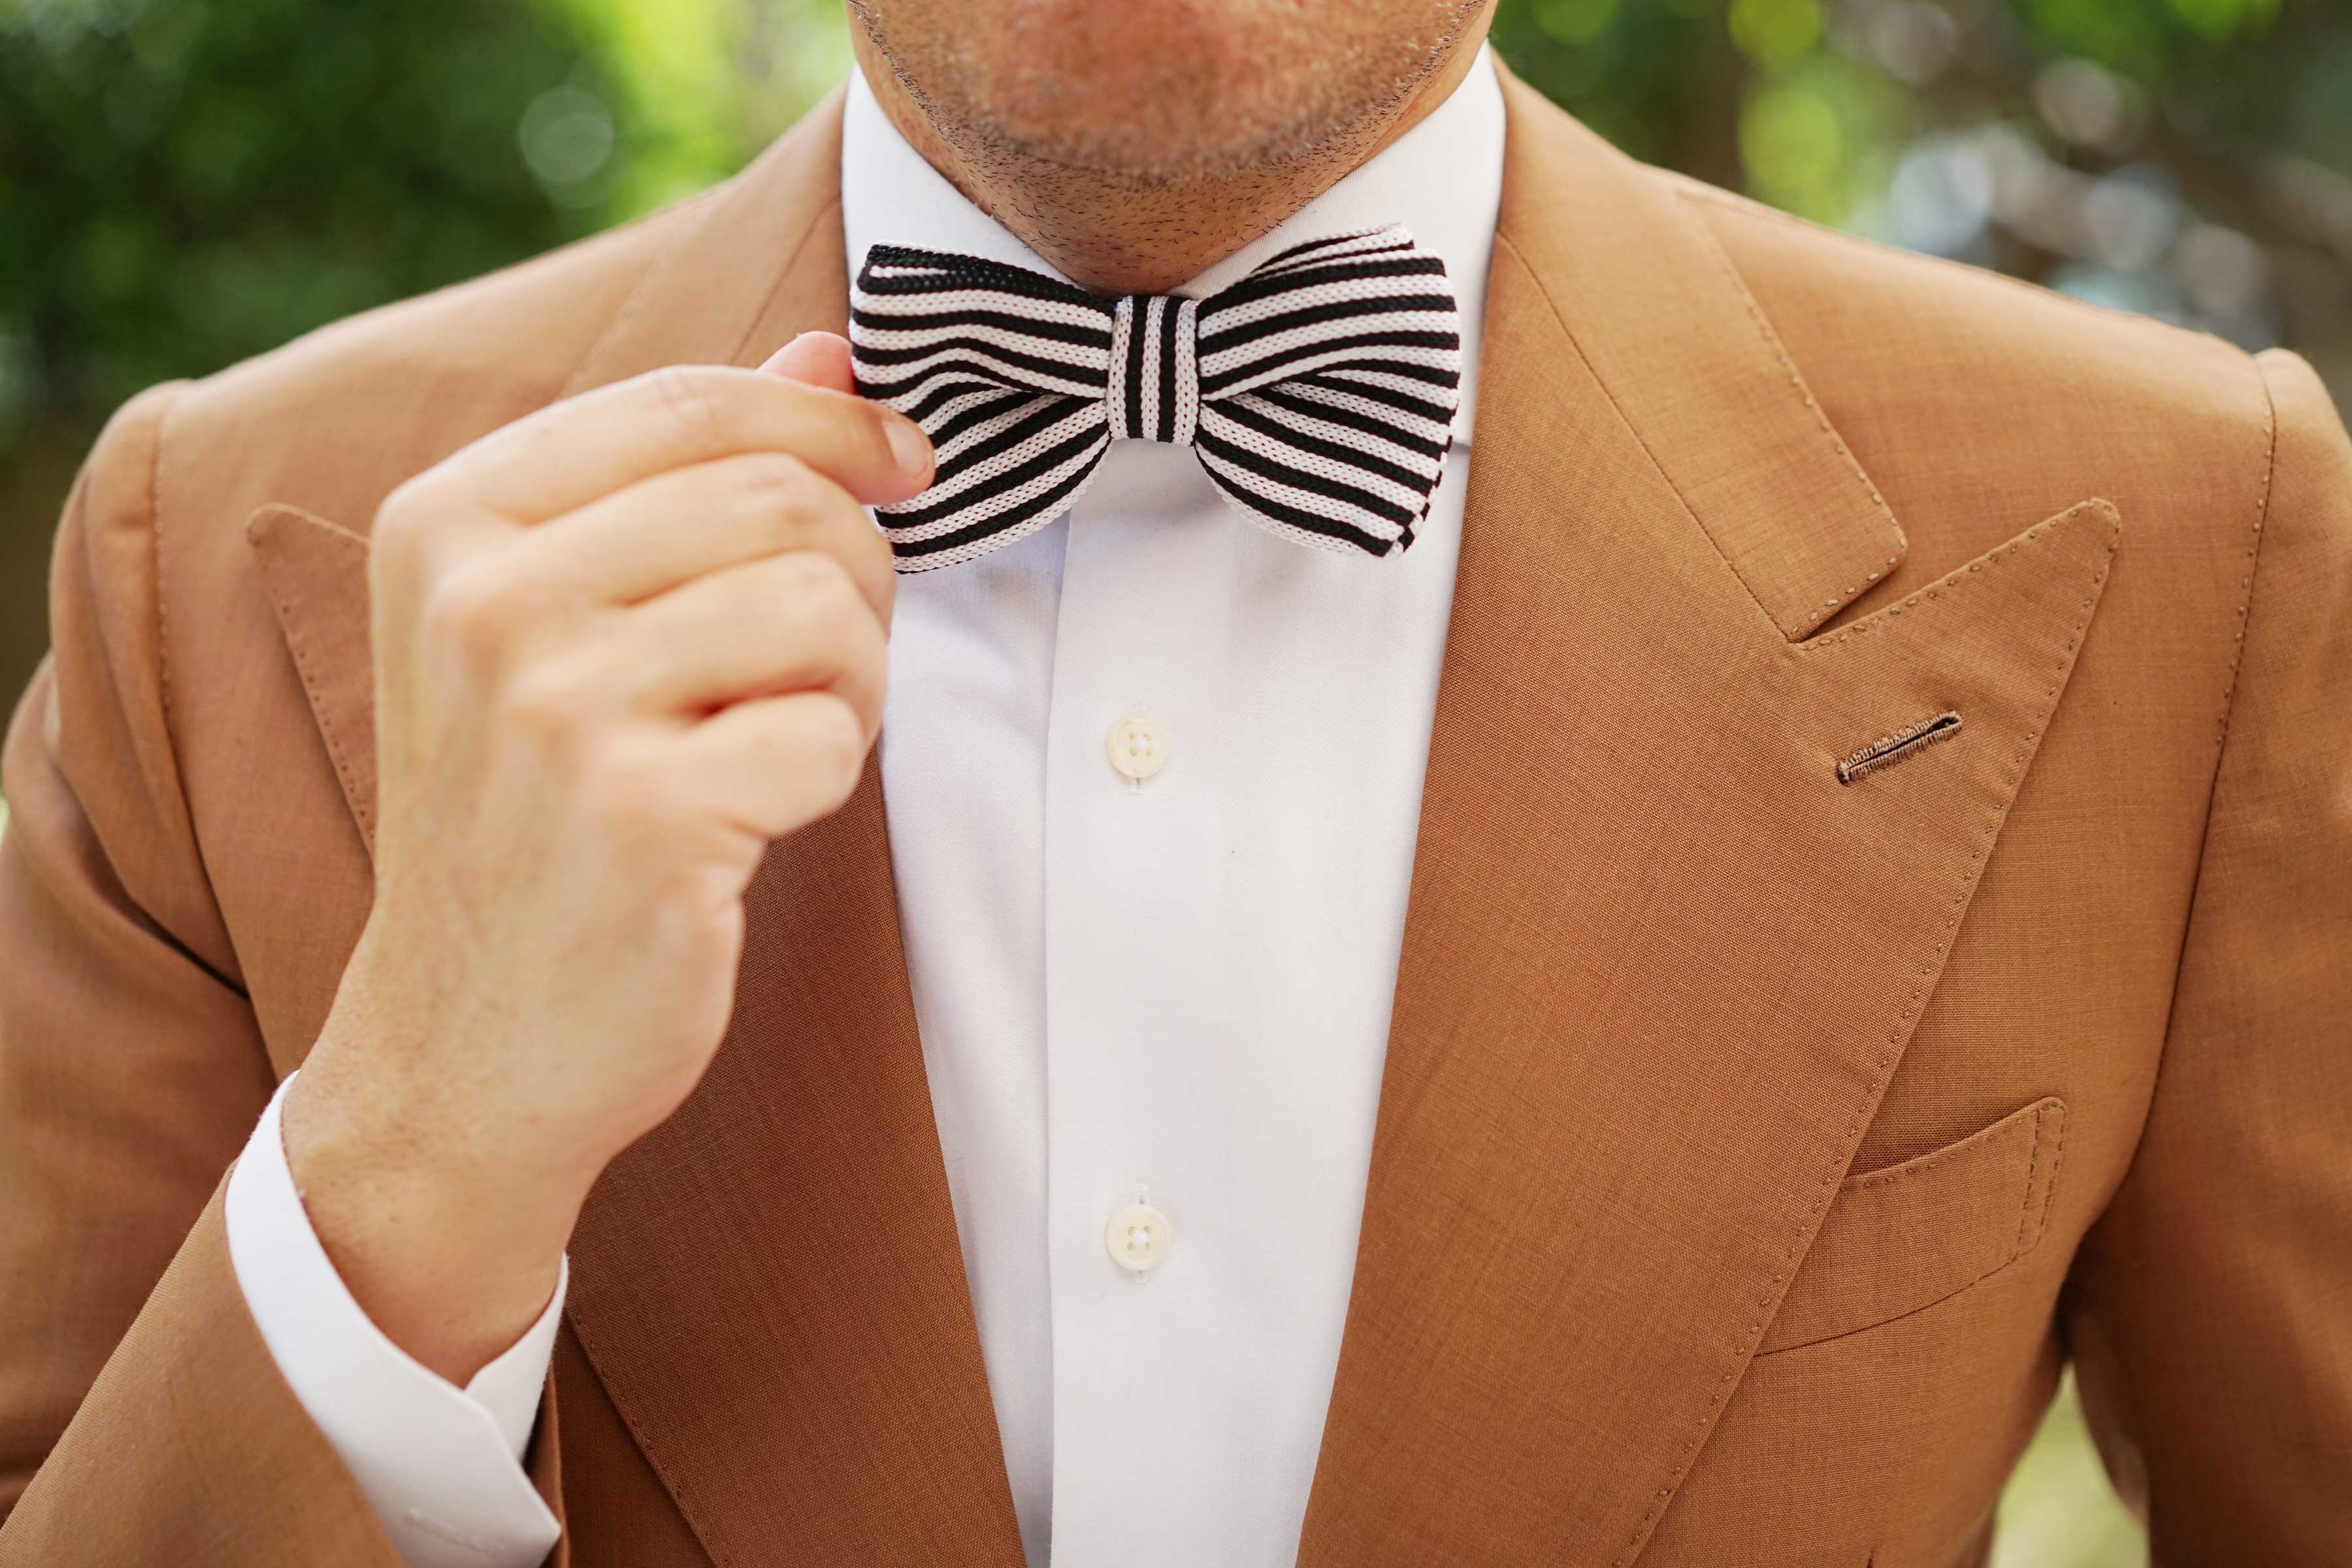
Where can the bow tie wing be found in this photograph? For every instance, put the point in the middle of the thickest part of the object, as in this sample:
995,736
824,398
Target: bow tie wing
1005,369
1328,381
1318,392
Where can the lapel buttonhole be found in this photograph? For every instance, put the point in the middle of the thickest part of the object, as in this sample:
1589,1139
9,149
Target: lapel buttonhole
1888,750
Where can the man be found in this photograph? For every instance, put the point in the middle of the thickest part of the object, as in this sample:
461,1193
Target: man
1648,1024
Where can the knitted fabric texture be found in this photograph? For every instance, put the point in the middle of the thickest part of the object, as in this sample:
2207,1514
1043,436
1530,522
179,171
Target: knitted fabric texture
1318,391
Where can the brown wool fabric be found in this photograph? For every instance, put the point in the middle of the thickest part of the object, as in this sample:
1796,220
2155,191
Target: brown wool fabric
1753,1149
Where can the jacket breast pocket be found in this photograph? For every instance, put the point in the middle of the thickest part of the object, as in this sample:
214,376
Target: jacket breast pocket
1907,1237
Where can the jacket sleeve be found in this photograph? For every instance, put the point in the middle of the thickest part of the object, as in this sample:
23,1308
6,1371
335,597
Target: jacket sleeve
2210,1312
142,1418
439,1465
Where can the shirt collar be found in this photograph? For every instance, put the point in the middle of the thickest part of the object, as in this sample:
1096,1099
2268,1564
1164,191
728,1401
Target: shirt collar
1443,180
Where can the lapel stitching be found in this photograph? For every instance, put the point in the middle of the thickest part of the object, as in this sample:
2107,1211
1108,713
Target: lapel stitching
1658,967
1960,578
1964,881
299,553
870,1484
1713,246
795,1209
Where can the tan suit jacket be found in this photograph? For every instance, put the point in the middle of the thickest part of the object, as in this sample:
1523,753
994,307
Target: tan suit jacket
1754,1148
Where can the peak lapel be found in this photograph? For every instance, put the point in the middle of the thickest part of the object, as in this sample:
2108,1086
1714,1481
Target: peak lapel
1696,373
1659,963
769,1286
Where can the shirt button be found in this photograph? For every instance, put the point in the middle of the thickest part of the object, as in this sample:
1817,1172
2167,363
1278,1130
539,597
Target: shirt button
1138,1237
1137,746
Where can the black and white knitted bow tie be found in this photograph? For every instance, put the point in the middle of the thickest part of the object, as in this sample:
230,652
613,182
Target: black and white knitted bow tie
1318,391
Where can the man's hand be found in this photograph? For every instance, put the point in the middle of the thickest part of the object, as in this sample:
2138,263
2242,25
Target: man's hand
620,646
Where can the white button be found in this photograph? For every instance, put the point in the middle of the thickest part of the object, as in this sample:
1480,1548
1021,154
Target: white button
1138,747
1138,1237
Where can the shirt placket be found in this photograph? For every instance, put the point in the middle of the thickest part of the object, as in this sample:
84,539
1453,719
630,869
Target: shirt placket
1134,829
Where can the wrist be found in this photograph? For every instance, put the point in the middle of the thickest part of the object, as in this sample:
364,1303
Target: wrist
452,1251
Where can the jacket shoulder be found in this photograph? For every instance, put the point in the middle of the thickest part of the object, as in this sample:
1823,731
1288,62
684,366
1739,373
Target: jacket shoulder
327,425
336,419
1980,403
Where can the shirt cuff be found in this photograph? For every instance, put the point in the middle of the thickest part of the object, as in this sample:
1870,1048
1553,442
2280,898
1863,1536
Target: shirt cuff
441,1466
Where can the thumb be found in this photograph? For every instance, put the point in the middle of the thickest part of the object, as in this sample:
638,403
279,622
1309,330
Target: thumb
815,359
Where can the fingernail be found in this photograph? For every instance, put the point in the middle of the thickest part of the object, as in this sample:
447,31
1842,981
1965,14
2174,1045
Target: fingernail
909,445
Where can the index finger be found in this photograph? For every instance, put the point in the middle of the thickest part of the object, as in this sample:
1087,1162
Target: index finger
585,448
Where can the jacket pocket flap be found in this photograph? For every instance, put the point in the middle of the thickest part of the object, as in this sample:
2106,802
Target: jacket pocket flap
1905,1237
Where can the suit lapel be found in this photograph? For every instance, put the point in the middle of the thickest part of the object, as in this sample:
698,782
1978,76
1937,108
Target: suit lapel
770,1285
828,1402
1659,963
316,574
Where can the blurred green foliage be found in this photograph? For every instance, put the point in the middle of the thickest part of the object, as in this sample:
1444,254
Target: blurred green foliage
185,182
2059,1511
183,185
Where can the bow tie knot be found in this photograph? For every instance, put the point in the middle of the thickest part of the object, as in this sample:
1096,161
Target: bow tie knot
1318,391
1153,389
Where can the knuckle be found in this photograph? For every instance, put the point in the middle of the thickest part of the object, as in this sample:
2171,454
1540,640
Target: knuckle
549,704
777,486
476,612
837,744
690,399
864,646
820,585
633,800
880,564
403,516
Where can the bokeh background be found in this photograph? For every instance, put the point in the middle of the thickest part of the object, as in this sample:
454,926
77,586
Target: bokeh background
185,182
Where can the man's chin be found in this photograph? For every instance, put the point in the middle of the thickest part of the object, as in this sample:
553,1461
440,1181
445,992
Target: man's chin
1231,85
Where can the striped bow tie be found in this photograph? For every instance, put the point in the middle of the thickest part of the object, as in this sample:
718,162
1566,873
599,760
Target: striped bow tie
1318,391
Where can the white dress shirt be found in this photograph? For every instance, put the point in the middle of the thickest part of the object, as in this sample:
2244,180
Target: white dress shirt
1153,973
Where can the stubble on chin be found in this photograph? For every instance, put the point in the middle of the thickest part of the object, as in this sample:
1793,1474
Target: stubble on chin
1161,98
